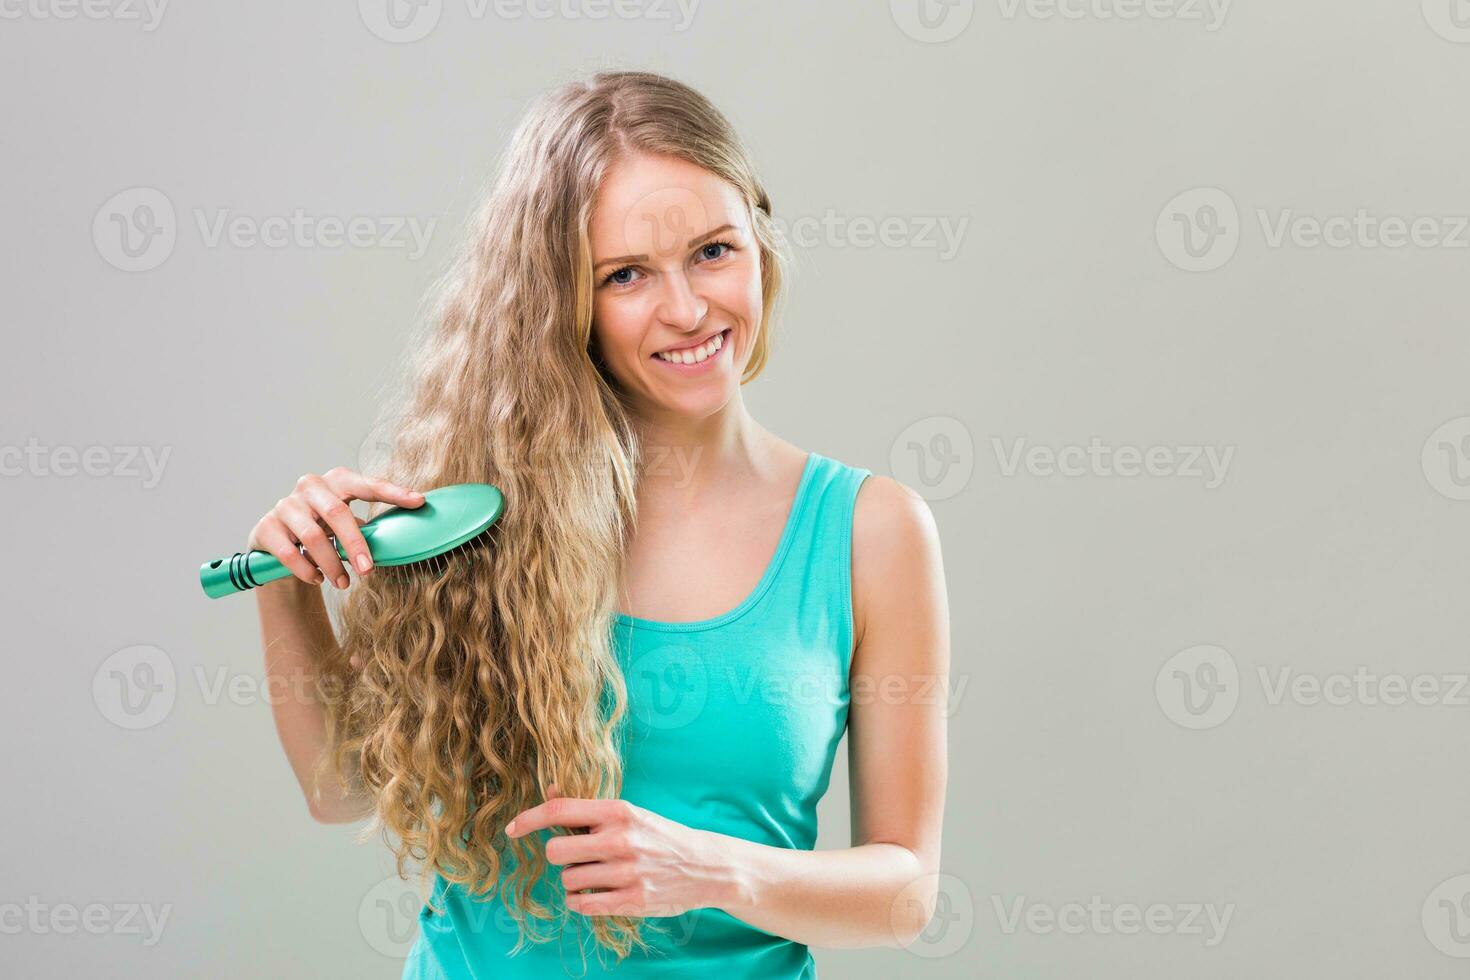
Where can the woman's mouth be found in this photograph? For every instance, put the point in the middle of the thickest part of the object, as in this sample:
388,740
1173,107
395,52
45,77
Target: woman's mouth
695,360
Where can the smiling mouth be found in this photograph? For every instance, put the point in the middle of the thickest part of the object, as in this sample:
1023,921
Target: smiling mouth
698,353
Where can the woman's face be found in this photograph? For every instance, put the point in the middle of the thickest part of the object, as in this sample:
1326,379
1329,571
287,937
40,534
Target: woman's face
676,274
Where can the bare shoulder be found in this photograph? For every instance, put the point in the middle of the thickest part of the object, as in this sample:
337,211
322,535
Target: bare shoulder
897,568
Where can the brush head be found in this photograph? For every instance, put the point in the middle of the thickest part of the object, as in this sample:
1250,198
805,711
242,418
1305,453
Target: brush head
449,517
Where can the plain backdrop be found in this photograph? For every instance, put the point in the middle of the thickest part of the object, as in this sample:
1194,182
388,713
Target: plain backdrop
1200,472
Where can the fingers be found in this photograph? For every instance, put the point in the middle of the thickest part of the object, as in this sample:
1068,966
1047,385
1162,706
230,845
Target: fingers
604,874
332,509
302,522
620,901
351,485
320,504
271,535
564,811
583,848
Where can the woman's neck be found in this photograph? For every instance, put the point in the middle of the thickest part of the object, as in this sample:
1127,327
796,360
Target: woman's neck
690,460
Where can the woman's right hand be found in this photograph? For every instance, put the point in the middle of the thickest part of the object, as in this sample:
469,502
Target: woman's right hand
316,508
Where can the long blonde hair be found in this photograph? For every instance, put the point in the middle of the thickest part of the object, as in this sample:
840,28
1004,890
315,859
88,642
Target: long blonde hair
486,679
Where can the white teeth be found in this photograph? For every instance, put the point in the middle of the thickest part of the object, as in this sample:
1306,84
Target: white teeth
701,353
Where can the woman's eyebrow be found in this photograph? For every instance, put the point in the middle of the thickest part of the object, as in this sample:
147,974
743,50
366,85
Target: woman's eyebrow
644,258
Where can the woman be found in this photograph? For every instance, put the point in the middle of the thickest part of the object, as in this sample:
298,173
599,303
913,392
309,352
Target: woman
613,722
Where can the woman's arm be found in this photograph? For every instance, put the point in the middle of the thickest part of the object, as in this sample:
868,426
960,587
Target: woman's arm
295,633
882,890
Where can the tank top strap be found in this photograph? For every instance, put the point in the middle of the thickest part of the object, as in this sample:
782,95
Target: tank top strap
813,587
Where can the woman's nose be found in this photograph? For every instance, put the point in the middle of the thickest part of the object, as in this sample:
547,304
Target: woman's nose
681,306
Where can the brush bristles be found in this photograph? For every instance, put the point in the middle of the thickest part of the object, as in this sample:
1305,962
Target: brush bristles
475,549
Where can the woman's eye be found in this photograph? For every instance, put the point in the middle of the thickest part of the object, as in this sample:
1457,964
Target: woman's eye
620,277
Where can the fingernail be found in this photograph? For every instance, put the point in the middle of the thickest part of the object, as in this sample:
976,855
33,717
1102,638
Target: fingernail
342,582
364,563
510,828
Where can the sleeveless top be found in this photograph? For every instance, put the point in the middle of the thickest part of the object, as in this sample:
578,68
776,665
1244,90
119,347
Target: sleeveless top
733,725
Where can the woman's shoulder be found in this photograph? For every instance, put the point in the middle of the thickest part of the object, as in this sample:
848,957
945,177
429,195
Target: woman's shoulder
896,561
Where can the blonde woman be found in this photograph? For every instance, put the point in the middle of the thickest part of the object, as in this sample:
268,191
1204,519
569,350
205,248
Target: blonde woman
607,731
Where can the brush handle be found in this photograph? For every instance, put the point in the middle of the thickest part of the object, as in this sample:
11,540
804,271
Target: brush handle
244,570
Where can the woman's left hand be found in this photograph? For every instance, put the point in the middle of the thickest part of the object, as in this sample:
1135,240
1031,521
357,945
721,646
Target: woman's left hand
644,864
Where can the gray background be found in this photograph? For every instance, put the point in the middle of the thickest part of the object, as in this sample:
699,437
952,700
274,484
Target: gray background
1336,376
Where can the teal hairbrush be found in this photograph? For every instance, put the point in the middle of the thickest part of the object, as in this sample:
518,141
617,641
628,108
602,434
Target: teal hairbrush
450,518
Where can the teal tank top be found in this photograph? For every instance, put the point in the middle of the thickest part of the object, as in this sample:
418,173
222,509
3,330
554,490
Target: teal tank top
733,726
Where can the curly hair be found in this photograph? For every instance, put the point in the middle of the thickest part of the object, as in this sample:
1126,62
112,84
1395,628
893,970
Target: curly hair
492,674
